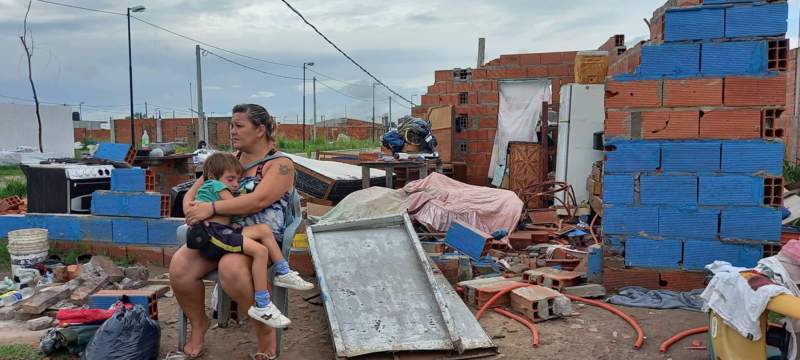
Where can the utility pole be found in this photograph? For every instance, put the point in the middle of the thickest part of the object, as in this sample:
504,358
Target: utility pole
386,125
373,112
201,117
314,89
145,110
304,101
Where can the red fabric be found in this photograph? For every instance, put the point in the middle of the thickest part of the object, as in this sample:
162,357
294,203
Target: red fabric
85,316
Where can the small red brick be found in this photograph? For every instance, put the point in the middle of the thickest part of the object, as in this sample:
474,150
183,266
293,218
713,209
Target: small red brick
568,57
731,124
443,75
537,71
693,92
551,58
618,124
481,146
488,97
530,59
560,70
478,74
755,91
633,94
670,125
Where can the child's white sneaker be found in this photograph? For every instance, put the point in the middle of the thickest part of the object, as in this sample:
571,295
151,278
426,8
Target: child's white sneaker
292,280
269,315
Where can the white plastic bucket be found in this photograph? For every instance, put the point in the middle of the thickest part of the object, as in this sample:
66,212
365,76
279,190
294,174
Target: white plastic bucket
27,247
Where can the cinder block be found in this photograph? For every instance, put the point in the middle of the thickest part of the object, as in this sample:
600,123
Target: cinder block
112,151
163,231
734,58
614,245
694,24
731,190
633,94
143,204
11,223
668,190
618,189
617,125
692,223
630,220
616,276
698,254
670,125
755,91
751,223
632,156
752,157
731,124
654,254
97,229
129,231
719,2
128,180
764,19
693,92
690,156
670,60
59,227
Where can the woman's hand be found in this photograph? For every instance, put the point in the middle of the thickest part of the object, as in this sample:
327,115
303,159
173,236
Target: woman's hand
198,211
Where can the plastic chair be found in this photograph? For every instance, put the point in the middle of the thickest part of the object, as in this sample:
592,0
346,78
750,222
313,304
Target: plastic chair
279,296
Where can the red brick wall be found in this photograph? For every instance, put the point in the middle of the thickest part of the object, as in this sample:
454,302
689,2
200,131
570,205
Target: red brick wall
173,130
98,135
483,100
355,129
791,138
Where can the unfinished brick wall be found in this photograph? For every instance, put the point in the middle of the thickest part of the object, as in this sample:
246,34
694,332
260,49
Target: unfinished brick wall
474,92
98,135
792,139
173,130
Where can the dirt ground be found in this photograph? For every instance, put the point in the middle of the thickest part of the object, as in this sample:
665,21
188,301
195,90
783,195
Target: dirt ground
593,334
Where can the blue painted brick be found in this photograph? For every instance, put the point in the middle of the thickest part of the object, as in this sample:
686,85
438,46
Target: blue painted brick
751,223
731,190
467,240
714,2
618,189
614,244
694,24
692,223
59,227
13,222
633,156
668,190
163,231
96,228
648,253
129,231
698,254
751,157
757,20
671,60
630,220
128,180
735,58
690,156
109,203
112,151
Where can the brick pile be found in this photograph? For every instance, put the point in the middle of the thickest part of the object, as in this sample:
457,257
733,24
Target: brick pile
695,152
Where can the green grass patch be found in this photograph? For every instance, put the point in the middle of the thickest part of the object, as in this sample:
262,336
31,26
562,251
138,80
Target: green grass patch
791,172
10,170
5,258
296,146
14,187
19,352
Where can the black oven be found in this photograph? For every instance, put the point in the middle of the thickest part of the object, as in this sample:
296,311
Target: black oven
64,188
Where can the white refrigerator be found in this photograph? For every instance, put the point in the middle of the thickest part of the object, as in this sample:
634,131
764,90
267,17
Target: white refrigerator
581,114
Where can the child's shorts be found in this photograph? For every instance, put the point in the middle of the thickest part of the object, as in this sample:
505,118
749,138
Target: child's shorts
223,239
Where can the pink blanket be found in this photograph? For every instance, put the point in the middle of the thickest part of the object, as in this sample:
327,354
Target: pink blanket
436,201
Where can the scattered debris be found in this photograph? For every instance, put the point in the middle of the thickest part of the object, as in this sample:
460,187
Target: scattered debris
586,291
41,323
137,273
109,268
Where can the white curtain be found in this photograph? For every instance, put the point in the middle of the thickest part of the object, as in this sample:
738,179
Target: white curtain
518,114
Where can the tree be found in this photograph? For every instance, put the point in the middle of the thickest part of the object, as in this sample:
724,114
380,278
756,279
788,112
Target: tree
28,46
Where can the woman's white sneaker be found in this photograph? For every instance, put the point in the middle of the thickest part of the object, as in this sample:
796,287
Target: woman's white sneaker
292,280
269,315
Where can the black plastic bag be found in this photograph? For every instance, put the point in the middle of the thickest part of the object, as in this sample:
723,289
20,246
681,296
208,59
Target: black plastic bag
128,335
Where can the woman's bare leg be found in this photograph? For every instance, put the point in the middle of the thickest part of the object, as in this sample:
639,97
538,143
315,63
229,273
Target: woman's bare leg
237,281
186,271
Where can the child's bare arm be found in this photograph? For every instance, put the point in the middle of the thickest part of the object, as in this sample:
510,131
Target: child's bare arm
225,195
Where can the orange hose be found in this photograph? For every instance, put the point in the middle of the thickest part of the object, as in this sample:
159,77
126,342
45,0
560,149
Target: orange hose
591,228
523,321
677,337
630,320
497,296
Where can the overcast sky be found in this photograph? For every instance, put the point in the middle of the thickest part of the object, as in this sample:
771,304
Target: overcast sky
81,56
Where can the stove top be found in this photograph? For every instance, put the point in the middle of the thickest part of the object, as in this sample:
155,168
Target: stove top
80,171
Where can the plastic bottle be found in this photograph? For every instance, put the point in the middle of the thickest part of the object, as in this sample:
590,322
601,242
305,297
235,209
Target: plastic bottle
145,139
17,296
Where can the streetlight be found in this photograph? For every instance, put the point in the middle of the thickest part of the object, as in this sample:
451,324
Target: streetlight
80,111
135,9
304,101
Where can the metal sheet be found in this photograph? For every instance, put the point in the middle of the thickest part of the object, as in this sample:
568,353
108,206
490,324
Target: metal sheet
381,295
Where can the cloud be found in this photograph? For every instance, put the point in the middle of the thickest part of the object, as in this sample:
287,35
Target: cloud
262,95
236,86
212,87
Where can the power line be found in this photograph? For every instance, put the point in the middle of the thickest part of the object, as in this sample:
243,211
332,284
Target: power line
81,7
342,93
334,79
342,51
250,67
